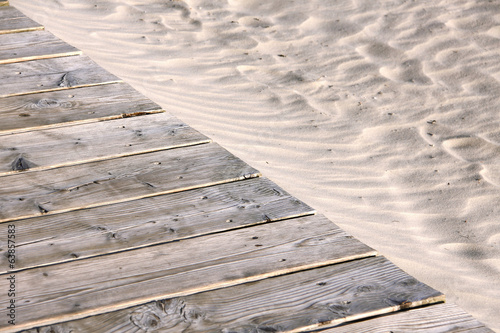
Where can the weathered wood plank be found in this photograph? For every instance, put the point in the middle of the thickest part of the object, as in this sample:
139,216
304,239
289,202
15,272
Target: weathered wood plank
92,286
12,20
24,46
58,108
90,232
52,74
80,144
298,302
35,193
437,318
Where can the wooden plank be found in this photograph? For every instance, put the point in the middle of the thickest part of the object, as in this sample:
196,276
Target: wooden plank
437,318
298,302
36,193
52,74
12,20
90,232
59,108
4,3
25,46
79,144
92,286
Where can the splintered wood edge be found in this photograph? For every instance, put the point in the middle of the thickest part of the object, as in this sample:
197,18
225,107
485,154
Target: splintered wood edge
181,189
61,88
443,317
108,157
48,56
255,278
78,122
13,31
372,314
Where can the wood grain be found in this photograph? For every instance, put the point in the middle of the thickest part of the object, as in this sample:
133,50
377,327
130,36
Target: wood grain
12,21
437,318
59,108
92,286
25,46
79,144
298,302
90,232
36,193
52,74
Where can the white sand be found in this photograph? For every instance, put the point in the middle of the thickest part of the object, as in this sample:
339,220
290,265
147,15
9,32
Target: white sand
383,115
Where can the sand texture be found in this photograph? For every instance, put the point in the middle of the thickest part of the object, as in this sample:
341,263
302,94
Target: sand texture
382,115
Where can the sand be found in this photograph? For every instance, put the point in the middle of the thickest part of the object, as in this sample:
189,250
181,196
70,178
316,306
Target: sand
382,115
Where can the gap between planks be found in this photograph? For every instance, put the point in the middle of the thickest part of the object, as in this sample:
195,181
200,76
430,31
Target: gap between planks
85,143
116,281
86,233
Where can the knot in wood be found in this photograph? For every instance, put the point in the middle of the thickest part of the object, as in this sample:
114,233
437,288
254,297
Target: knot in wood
148,317
21,164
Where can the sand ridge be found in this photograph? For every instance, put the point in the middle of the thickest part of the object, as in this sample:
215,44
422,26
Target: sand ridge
381,115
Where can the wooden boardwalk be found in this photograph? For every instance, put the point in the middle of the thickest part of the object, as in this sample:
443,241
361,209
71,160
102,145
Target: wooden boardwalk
117,217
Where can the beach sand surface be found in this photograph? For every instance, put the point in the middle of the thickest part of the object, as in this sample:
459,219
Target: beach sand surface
382,115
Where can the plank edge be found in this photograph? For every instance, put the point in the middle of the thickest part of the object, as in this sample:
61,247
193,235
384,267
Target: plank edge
108,157
79,122
13,31
61,88
40,57
181,189
373,314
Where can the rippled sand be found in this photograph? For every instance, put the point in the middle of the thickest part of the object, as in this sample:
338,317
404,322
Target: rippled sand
383,115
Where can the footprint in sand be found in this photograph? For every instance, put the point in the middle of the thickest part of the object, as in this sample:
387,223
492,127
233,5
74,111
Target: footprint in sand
477,150
472,149
408,71
394,65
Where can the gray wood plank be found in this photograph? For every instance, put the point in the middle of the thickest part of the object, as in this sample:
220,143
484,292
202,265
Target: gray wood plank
12,21
437,318
35,193
52,74
92,286
24,46
90,232
298,302
84,143
59,108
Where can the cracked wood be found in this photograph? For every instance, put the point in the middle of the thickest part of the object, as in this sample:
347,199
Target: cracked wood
59,108
12,21
83,143
25,46
91,286
90,232
35,193
52,74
